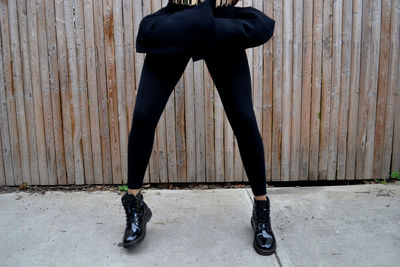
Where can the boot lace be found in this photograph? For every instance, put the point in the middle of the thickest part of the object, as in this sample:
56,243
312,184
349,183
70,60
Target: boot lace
263,219
132,213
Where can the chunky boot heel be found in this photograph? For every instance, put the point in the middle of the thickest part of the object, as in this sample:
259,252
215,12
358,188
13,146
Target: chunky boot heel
137,215
264,242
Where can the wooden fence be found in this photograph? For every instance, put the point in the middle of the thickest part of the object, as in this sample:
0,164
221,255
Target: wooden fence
325,87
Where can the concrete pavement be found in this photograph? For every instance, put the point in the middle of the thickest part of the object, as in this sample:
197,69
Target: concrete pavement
350,225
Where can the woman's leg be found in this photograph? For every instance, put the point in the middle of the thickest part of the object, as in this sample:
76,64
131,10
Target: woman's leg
160,74
231,75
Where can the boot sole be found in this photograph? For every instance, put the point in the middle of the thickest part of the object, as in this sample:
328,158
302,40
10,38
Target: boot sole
264,252
140,238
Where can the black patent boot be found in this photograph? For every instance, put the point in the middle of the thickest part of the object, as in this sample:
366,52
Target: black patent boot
137,216
264,241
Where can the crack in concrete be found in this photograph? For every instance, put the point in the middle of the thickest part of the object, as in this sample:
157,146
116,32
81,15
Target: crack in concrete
277,258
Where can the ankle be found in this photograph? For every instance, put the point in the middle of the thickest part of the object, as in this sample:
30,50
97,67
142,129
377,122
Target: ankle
134,191
261,197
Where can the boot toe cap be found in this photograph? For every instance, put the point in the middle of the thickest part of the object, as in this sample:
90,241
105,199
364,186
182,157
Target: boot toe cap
131,235
264,240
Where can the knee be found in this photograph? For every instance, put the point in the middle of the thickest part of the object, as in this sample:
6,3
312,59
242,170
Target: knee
143,118
246,119
244,122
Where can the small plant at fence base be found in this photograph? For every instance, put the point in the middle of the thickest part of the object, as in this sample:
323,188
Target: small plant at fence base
394,175
380,181
123,188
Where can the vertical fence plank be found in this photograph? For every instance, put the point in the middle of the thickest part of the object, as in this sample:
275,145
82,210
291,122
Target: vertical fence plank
257,81
335,89
287,83
27,91
161,148
102,91
5,143
83,96
392,125
55,92
92,91
46,93
209,126
257,74
37,94
372,88
137,12
112,90
229,160
129,55
267,85
382,88
129,59
252,55
277,93
345,90
396,132
17,84
2,175
120,80
296,109
315,120
189,122
153,171
170,123
73,75
364,85
2,121
326,89
198,67
219,137
355,72
180,130
65,91
306,89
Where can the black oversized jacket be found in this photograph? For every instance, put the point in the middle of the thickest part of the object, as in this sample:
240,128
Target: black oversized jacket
203,28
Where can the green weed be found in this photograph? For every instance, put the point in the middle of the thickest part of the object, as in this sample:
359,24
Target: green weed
380,181
123,188
395,175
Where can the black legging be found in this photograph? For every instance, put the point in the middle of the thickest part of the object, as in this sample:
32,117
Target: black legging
231,76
